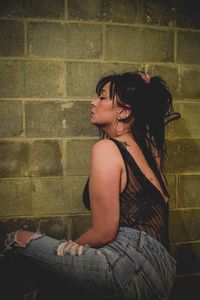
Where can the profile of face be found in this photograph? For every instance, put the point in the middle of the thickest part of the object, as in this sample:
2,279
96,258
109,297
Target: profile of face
103,109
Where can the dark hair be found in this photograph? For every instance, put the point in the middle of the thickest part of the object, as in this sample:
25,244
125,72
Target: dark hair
151,103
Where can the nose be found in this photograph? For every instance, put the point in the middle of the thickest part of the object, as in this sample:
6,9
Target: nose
94,102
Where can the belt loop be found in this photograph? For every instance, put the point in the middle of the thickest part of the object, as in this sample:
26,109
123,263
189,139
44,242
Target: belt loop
141,241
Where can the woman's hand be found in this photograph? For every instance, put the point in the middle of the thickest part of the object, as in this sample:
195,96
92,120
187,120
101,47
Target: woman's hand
70,248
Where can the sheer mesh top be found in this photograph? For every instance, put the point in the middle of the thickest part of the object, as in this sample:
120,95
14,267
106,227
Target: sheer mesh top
142,205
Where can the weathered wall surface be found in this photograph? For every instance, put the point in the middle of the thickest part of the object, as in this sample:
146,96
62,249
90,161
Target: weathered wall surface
51,55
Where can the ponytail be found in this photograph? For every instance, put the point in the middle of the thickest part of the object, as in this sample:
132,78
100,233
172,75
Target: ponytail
158,112
153,112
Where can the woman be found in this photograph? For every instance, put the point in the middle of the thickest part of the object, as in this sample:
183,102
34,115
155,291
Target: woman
125,253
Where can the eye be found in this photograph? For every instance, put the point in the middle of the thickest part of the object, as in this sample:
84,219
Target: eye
102,98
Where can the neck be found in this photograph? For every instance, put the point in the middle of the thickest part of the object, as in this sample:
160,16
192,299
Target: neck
118,135
118,130
128,132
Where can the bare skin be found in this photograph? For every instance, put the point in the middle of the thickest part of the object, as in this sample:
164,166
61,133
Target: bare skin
107,171
24,236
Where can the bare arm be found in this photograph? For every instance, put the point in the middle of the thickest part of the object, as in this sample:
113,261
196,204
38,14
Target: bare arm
104,188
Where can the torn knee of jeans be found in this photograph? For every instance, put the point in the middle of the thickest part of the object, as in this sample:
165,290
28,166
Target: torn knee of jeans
34,236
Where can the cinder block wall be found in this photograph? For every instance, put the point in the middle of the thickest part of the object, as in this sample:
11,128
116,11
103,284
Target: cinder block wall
51,55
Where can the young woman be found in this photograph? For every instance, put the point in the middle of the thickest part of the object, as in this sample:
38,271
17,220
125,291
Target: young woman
125,253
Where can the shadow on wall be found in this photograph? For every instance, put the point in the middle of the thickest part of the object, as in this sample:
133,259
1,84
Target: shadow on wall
183,159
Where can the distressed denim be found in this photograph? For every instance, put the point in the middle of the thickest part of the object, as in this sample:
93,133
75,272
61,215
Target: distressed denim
133,267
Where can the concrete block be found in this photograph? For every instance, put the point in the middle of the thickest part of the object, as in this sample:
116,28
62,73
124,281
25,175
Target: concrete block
74,193
11,118
158,12
171,180
188,125
38,158
183,225
76,119
13,159
45,158
168,131
44,79
82,77
65,40
48,196
11,38
56,226
186,287
15,195
79,225
138,44
78,156
188,258
32,79
187,13
189,191
188,47
38,126
127,11
11,79
31,9
71,118
189,82
183,156
168,74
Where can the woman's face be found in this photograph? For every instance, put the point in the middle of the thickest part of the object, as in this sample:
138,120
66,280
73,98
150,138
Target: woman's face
103,109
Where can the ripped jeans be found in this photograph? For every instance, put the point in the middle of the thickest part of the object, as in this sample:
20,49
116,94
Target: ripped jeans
133,267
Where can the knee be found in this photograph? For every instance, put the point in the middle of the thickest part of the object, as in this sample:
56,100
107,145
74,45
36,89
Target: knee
23,237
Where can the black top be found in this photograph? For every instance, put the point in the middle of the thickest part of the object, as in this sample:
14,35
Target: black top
142,205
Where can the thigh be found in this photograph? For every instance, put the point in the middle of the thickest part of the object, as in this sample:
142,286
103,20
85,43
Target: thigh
84,274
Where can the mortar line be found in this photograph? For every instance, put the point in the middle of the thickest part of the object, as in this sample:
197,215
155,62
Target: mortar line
188,275
175,46
185,208
34,216
25,40
50,99
177,190
23,118
65,66
65,158
66,15
63,21
20,139
99,60
88,98
17,139
188,242
104,42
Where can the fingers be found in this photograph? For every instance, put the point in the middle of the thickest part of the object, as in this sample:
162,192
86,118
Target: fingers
60,249
71,248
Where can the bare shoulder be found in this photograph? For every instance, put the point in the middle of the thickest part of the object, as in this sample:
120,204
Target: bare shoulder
106,159
106,150
105,146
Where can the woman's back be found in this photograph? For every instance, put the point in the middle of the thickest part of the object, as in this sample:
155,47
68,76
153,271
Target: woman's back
142,205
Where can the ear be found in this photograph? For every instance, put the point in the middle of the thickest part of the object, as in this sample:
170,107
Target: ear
124,112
